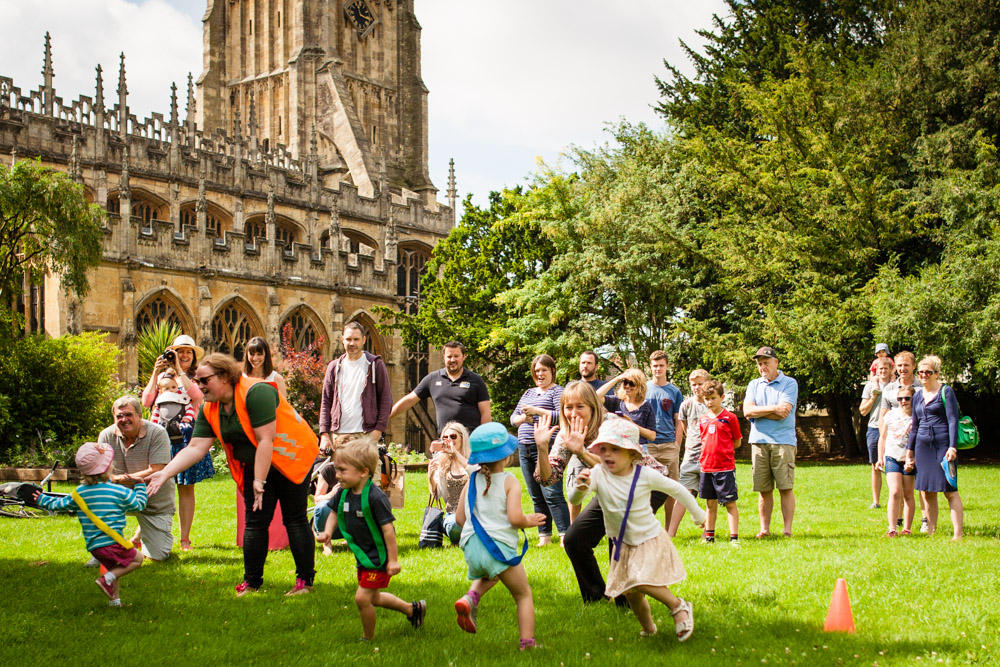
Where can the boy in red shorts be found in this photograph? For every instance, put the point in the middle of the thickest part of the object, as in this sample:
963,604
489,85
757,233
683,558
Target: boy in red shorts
364,516
720,436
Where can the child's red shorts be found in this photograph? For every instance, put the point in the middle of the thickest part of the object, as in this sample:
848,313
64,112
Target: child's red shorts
114,555
373,578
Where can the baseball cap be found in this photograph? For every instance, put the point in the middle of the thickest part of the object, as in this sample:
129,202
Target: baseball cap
881,347
766,352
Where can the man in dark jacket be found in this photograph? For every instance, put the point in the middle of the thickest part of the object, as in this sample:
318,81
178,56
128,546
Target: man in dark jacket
356,395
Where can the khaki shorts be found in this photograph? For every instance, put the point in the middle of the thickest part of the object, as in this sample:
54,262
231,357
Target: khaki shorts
669,454
157,538
690,477
773,466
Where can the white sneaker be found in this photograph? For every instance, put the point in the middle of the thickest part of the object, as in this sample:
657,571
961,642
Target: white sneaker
93,562
924,528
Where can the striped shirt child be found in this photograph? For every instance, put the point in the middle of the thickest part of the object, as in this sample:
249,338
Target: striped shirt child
107,501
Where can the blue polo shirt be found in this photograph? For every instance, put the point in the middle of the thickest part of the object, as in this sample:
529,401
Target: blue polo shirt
782,389
666,402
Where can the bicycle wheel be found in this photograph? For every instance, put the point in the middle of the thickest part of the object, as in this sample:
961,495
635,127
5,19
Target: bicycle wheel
18,510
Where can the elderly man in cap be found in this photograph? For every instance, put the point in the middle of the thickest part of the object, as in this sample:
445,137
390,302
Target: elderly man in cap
770,407
141,448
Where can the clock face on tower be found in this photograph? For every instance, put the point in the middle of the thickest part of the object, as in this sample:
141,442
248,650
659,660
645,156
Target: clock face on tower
360,15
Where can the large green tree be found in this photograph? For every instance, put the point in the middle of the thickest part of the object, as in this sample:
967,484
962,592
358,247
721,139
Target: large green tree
490,251
45,223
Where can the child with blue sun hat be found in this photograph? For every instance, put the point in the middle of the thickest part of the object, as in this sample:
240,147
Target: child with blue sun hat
490,514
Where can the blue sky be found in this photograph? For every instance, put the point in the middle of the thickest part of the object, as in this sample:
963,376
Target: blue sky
510,82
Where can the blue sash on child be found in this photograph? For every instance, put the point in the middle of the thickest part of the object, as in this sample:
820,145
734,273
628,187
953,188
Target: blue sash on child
487,541
628,507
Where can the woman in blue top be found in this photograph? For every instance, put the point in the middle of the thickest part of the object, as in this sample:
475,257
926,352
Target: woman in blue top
542,399
630,402
933,437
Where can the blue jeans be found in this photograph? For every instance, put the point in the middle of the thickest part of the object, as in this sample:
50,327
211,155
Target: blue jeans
322,510
548,500
451,528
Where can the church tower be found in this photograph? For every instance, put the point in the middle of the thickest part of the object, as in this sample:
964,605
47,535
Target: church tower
278,70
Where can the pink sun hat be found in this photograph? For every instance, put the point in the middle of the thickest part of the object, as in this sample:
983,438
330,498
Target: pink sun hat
620,433
94,458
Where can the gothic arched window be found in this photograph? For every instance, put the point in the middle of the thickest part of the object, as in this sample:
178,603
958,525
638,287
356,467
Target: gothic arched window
233,327
161,308
412,262
215,221
306,329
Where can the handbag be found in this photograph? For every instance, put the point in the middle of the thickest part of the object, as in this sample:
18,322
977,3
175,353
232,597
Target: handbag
392,479
968,434
432,527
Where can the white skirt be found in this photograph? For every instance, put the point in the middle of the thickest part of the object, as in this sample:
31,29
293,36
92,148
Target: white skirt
655,562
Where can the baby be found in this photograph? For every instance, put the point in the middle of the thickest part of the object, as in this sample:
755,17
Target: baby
173,409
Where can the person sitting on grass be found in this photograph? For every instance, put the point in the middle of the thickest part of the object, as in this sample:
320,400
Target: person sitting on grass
644,561
364,516
101,508
490,513
326,490
720,436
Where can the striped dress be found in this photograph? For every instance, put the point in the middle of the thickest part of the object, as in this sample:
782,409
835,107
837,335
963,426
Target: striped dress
107,501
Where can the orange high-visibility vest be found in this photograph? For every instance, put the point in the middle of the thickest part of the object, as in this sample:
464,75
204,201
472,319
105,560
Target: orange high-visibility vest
295,444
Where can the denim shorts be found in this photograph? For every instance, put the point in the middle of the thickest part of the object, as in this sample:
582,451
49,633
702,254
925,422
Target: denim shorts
872,436
892,465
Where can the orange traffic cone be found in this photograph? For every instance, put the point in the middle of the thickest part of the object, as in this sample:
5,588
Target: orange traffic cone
839,618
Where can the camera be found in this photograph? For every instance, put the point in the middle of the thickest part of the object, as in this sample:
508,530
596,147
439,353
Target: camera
169,356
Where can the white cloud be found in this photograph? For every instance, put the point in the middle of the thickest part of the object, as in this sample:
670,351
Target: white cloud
509,81
161,45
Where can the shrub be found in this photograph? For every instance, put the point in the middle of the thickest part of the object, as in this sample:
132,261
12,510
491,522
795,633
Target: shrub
150,344
304,371
58,394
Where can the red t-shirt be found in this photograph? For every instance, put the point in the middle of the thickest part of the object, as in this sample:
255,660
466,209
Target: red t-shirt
718,434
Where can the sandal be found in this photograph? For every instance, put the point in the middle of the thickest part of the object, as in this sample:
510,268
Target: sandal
186,545
643,633
684,628
762,534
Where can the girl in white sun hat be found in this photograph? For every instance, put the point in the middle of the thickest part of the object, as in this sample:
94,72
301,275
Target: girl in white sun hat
644,560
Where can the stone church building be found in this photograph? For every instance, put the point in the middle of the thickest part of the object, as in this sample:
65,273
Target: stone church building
293,189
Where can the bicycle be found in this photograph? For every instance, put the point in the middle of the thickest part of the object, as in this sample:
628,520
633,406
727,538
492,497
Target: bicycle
17,498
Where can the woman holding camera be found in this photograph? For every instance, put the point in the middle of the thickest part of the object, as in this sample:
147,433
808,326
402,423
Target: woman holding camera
182,357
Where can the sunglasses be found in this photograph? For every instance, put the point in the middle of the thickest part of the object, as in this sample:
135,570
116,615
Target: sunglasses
628,383
452,436
926,372
904,399
202,381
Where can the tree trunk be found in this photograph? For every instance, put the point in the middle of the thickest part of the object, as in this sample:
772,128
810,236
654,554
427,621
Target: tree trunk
841,410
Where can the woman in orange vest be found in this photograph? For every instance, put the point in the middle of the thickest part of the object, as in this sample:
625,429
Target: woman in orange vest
270,450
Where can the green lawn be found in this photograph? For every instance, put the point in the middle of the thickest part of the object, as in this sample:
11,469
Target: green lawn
916,600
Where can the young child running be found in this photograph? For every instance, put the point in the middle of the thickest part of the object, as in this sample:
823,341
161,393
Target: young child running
490,514
720,436
364,516
644,560
101,508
